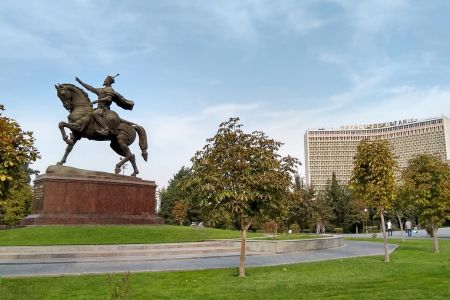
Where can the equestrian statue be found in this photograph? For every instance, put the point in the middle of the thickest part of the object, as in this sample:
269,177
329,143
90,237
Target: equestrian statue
101,124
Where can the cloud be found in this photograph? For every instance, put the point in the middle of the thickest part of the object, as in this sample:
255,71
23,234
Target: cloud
74,31
249,20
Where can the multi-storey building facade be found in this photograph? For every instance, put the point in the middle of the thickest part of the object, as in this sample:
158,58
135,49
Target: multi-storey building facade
332,150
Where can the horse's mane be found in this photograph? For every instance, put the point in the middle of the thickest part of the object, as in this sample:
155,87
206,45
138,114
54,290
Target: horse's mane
79,89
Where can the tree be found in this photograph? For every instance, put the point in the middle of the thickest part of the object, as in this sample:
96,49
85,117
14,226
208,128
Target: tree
403,207
179,211
241,175
427,182
172,193
17,205
320,211
17,151
338,198
296,200
373,179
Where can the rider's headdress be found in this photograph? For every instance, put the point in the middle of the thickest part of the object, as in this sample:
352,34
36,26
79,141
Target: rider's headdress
110,79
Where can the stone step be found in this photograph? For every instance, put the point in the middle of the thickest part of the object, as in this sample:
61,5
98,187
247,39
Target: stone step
117,247
63,253
127,258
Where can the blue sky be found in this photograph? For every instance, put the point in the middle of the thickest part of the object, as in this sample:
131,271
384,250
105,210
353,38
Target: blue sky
281,66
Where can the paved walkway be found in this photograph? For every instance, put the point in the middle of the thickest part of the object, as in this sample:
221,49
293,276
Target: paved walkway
350,249
443,232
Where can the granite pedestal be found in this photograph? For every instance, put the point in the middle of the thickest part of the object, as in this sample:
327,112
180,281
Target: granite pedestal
67,195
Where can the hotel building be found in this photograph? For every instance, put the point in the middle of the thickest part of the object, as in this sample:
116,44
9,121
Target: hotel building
332,150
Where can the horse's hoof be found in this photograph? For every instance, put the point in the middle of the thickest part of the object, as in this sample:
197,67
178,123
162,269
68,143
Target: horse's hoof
117,170
59,163
133,174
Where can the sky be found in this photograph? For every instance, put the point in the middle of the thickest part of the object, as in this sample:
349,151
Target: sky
281,66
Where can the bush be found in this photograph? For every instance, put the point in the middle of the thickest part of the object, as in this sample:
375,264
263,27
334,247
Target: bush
282,228
338,230
270,227
306,230
295,228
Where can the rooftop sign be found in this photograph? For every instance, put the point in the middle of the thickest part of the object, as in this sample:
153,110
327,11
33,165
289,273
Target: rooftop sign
380,125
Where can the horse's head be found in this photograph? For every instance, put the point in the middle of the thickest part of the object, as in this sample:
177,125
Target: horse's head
64,95
72,96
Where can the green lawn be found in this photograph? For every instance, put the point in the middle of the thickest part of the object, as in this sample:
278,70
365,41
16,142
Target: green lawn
90,235
415,272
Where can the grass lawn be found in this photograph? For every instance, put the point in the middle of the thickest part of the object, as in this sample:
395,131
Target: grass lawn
90,235
415,272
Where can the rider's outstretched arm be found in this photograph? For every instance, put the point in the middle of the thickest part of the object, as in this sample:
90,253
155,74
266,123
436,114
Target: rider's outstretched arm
86,86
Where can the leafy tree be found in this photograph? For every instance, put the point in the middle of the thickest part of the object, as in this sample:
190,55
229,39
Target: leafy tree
338,198
427,182
302,206
358,212
320,211
295,202
179,211
403,207
17,151
172,193
241,175
17,205
373,179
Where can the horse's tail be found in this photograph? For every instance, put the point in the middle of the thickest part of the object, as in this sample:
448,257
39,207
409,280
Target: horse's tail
142,140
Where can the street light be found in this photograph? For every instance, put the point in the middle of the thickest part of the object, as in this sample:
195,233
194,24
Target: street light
365,221
124,166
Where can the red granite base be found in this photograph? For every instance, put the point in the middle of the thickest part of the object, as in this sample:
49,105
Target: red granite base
64,219
92,198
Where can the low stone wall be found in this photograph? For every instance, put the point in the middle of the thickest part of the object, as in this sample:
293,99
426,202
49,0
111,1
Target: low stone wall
284,246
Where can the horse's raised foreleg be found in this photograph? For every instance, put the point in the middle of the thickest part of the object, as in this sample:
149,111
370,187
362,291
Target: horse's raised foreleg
68,150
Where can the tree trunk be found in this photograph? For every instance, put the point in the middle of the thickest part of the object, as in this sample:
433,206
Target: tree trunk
401,226
383,228
435,238
244,228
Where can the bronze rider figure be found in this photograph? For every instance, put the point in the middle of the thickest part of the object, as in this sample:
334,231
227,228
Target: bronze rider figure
106,95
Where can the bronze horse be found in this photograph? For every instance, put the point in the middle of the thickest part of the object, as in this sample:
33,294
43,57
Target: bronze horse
122,133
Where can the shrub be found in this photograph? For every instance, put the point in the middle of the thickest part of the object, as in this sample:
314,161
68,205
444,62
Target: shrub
270,227
282,228
295,228
338,230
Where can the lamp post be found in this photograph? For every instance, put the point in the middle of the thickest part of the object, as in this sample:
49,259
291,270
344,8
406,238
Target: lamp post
365,221
124,166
